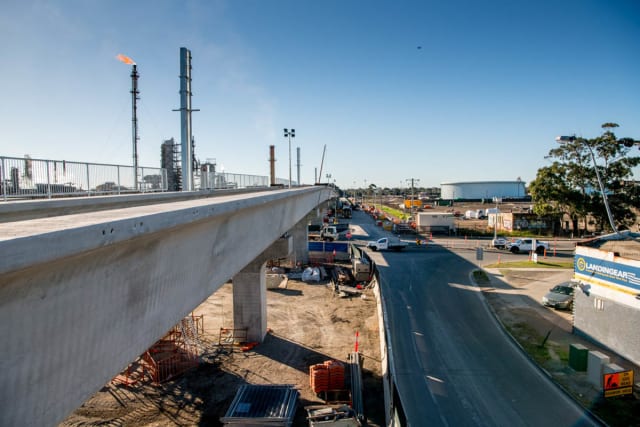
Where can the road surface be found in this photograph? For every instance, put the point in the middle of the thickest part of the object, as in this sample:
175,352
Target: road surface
453,364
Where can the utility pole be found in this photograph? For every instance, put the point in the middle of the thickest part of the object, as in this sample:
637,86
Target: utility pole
496,200
413,180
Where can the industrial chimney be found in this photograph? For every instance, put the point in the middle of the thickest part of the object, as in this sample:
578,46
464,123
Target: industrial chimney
272,164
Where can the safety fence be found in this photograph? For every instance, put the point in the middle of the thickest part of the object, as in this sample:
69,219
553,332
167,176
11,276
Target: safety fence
39,178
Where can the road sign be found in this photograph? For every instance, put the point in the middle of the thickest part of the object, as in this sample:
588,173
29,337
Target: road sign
617,383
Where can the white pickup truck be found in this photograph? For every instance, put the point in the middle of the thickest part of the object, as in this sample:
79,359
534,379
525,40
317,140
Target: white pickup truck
526,245
387,243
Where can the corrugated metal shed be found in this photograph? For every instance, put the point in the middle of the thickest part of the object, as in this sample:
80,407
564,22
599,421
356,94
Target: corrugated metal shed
262,405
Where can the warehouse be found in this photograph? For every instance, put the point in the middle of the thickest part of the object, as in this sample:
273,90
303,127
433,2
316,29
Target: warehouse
483,190
607,303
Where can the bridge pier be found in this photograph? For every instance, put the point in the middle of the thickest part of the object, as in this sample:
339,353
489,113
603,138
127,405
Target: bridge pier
300,234
250,291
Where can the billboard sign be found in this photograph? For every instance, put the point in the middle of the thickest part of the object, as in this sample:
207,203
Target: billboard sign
613,272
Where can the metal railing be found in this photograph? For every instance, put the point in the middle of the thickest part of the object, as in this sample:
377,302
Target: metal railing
38,178
226,180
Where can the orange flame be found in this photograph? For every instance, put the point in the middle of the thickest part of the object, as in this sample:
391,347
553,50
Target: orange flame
125,59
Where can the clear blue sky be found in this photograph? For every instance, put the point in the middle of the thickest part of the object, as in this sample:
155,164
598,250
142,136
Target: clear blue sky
441,91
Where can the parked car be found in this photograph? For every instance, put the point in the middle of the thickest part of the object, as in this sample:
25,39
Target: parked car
560,296
499,242
526,245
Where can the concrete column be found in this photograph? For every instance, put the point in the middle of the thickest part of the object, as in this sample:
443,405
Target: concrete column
250,300
300,234
250,291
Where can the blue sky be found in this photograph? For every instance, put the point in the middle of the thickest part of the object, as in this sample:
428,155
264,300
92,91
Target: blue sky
440,91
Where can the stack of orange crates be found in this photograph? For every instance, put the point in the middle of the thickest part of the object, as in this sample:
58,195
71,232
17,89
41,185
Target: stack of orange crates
326,376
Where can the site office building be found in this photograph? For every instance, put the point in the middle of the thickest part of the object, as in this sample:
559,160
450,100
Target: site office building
607,301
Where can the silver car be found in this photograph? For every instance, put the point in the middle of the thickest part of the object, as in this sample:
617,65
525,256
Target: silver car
500,242
560,296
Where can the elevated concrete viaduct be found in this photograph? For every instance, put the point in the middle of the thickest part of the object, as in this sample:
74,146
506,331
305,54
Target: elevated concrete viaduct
82,295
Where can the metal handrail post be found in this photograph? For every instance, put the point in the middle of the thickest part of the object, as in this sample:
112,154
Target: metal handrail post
88,180
48,181
4,181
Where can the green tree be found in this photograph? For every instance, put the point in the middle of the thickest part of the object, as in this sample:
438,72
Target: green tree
554,197
570,185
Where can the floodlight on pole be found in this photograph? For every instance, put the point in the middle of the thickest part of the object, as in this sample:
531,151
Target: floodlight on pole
289,134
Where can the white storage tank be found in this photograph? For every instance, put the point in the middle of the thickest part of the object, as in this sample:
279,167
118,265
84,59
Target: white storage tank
486,190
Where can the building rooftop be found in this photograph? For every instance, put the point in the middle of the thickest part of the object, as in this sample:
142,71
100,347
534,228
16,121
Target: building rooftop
625,244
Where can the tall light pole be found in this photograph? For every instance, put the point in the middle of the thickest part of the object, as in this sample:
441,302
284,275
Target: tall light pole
572,138
496,200
289,134
364,192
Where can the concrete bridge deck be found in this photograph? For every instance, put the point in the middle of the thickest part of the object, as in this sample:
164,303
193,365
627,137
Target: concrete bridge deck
82,295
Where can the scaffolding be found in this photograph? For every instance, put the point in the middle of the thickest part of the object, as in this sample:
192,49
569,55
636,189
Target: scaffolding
170,158
178,351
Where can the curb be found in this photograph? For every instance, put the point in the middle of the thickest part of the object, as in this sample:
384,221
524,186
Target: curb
546,373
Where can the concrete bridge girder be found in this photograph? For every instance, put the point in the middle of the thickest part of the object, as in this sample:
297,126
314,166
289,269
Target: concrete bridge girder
81,297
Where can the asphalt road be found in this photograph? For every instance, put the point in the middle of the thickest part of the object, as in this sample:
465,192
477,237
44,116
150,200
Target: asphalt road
453,364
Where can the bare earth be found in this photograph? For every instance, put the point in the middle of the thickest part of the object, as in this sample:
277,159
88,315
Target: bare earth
307,325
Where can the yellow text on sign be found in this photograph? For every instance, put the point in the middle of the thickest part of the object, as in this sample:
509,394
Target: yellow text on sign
617,383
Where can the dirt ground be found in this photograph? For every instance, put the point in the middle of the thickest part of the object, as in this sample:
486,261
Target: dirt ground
308,324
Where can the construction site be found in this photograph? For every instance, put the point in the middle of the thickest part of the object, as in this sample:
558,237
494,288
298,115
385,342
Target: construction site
320,337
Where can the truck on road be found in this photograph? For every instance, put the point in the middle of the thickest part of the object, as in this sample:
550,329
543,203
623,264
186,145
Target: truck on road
527,245
331,233
387,243
435,222
328,232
